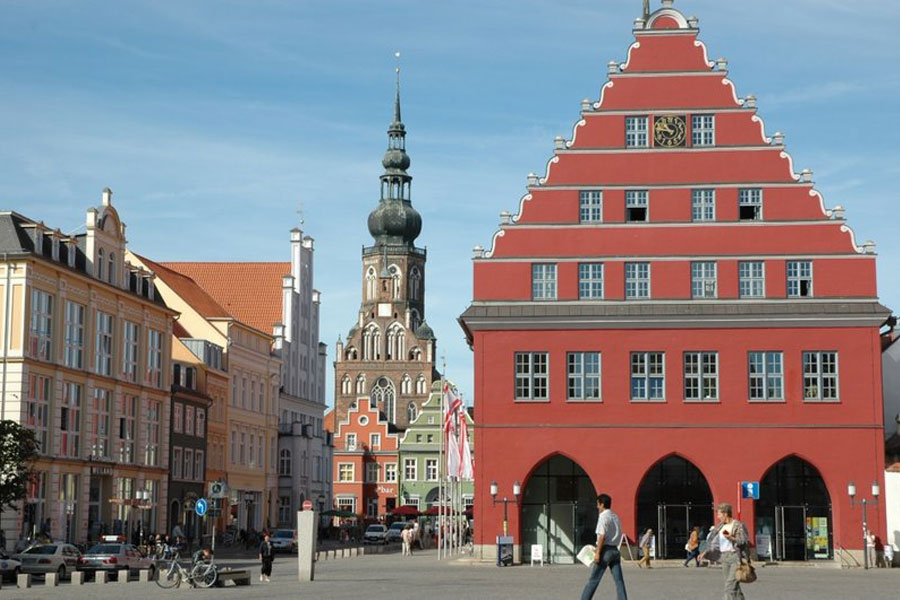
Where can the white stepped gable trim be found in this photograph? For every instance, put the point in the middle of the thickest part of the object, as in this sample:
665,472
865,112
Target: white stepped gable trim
708,62
599,102
627,62
575,128
825,211
546,176
522,201
790,165
762,128
499,234
668,12
737,101
846,229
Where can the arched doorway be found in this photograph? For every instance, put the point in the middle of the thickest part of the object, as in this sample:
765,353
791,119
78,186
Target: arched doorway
559,510
673,498
794,511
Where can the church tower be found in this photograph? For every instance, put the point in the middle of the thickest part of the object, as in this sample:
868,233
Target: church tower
388,356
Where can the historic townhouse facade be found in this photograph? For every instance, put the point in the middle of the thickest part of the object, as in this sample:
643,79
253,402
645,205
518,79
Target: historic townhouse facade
86,364
387,360
671,289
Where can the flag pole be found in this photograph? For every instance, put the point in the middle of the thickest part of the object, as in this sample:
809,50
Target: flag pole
441,466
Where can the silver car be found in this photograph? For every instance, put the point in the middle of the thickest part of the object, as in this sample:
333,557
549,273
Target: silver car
9,567
56,557
113,556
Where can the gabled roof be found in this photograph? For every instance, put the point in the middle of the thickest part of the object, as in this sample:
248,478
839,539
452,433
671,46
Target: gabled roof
188,290
249,291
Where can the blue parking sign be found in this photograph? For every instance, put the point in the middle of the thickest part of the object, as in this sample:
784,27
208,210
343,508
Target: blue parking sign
750,490
200,507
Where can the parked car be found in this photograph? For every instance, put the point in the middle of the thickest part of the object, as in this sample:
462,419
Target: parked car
395,530
9,567
283,540
375,534
58,557
113,556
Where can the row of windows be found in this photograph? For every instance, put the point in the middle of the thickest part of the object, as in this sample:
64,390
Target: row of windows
374,472
248,449
704,280
103,426
42,346
637,205
249,392
703,131
187,464
188,420
765,373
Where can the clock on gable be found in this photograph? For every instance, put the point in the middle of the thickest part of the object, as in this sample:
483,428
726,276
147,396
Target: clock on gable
669,131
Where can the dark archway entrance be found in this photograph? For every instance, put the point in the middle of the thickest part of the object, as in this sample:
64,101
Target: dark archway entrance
793,513
559,510
673,498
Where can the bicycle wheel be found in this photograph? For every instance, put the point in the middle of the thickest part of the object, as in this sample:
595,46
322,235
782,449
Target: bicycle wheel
169,577
204,575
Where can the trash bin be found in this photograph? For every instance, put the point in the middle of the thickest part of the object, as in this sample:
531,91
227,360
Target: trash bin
504,551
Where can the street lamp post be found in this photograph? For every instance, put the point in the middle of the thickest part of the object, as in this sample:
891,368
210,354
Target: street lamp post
248,502
517,490
143,498
851,491
70,510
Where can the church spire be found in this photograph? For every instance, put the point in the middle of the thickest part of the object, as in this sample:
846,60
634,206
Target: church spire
397,100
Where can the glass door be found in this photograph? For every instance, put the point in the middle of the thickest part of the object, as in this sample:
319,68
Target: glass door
790,533
562,534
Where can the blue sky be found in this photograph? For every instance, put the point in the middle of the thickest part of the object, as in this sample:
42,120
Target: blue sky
213,120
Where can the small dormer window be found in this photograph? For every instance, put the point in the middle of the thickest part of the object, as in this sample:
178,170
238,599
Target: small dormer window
71,249
38,241
54,247
100,261
151,290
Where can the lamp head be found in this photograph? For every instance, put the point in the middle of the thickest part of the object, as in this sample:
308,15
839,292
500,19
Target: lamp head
876,490
851,490
493,489
517,489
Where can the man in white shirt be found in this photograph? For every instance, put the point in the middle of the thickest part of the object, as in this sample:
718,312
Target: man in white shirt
609,536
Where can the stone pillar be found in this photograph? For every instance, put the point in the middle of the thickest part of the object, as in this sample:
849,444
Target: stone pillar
306,544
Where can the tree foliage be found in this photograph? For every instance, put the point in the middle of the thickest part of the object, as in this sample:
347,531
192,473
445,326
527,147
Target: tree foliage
18,451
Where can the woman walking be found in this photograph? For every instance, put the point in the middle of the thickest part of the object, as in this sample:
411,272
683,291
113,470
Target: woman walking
693,548
646,540
266,555
728,542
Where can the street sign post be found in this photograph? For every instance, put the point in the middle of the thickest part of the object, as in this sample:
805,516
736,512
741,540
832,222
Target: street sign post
750,490
200,507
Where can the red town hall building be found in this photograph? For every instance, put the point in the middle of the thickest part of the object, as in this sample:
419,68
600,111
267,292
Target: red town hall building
674,311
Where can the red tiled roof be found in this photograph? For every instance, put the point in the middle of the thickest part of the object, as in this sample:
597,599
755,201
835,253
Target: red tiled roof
249,291
328,424
188,289
179,331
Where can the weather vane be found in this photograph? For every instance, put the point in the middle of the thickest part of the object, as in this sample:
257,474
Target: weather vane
646,9
300,211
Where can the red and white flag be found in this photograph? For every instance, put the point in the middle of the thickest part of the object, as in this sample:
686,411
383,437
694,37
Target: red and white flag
466,471
451,405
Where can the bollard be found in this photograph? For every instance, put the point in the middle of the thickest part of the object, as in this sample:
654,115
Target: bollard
123,575
144,576
50,579
23,580
100,576
362,551
77,578
353,551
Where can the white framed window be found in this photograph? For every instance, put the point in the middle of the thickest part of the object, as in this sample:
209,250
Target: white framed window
284,462
750,204
390,472
41,332
154,357
412,500
127,427
590,206
243,448
636,132
351,441
37,410
154,410
198,465
375,441
189,420
373,470
703,130
701,376
372,508
189,464
73,354
410,469
431,469
130,333
346,472
751,279
101,403
590,281
703,279
284,510
104,344
799,279
766,375
637,280
637,206
820,377
346,385
346,503
648,376
177,417
583,374
532,376
543,281
70,420
703,205
201,423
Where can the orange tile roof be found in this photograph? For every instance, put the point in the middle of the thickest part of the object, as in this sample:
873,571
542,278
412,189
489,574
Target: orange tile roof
328,424
249,291
188,289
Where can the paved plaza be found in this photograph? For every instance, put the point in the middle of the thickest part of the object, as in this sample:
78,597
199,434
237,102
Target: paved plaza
390,577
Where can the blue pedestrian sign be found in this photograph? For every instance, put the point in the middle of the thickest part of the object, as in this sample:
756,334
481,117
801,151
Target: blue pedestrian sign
750,490
200,507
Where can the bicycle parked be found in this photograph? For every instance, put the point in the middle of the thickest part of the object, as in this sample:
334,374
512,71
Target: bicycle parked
202,573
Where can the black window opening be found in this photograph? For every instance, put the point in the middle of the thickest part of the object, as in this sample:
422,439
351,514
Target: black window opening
749,212
635,214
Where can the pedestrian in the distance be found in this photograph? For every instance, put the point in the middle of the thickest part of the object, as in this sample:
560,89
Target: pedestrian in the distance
266,556
609,536
405,537
693,547
728,542
870,549
646,542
